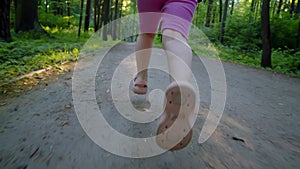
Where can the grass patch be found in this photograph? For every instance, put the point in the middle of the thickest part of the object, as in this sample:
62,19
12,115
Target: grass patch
30,51
283,61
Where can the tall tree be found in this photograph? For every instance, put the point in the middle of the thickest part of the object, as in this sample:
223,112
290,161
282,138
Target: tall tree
26,18
46,3
292,10
56,6
298,35
96,14
265,34
232,6
274,6
69,12
258,10
116,15
208,14
80,18
252,10
215,13
87,15
298,8
5,20
279,7
105,18
197,13
220,10
120,15
224,21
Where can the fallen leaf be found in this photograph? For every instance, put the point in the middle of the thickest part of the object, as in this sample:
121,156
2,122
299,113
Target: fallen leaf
3,104
64,123
68,106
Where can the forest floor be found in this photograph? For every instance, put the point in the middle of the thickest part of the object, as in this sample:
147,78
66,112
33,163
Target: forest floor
259,127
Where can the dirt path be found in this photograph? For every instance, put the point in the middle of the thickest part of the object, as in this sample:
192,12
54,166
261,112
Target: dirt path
259,128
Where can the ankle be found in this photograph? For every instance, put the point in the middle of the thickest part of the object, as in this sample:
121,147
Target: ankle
143,75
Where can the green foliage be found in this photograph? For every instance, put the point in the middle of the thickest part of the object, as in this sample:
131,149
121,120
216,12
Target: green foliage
50,20
242,34
286,62
236,56
157,41
26,53
242,39
284,32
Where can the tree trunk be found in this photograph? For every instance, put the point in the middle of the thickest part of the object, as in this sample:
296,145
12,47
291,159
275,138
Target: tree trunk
96,4
265,34
298,8
5,20
116,15
279,7
274,8
257,10
105,18
286,5
57,5
120,15
208,14
69,12
220,10
298,37
80,18
46,5
26,18
101,20
198,18
98,11
87,15
224,22
252,10
133,26
214,14
292,10
232,6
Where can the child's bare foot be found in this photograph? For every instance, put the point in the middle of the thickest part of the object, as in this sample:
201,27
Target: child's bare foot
175,128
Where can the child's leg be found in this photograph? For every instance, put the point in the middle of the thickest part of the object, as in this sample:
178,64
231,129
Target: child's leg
143,52
176,23
149,18
180,94
175,128
178,53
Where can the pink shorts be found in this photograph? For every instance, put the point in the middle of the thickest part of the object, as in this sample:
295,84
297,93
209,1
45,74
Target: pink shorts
174,14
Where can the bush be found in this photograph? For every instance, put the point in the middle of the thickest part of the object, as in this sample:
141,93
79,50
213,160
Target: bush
284,32
26,53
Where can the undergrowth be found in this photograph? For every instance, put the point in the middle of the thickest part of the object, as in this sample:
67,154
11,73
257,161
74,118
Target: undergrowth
30,51
285,61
